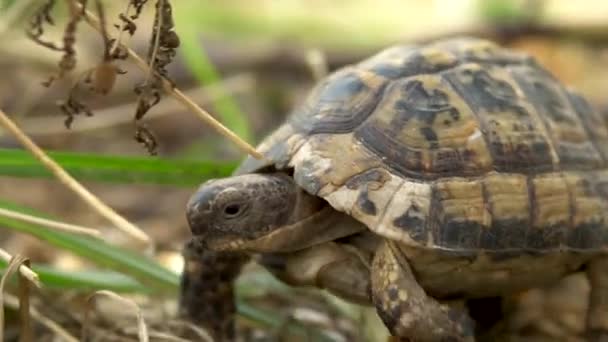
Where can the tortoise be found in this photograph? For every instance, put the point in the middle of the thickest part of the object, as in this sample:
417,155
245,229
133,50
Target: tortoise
420,176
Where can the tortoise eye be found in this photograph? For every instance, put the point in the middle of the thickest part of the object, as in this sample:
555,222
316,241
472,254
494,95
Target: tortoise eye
233,210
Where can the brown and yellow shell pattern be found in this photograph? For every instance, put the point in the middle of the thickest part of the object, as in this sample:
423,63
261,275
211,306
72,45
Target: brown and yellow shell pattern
457,145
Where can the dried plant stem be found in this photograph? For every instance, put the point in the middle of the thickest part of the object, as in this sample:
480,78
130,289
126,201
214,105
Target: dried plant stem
13,265
154,48
24,270
121,31
92,20
13,302
65,178
25,324
52,224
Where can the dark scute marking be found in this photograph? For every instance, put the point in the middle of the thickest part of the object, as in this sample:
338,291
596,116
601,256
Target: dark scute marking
306,176
430,136
366,205
421,104
586,236
383,139
488,93
393,293
342,89
413,222
587,187
489,98
369,176
602,189
547,99
400,158
532,205
345,101
504,234
592,122
541,148
452,162
459,234
415,64
545,238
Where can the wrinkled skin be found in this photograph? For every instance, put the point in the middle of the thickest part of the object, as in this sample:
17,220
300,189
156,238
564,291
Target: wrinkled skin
305,242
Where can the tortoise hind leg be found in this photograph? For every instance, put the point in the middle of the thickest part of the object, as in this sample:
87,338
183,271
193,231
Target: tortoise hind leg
597,314
405,308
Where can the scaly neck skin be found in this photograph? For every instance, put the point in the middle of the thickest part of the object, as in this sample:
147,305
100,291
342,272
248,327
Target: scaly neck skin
306,205
207,289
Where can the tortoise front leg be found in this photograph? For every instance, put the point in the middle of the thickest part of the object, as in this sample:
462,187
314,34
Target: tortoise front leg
404,307
597,314
207,289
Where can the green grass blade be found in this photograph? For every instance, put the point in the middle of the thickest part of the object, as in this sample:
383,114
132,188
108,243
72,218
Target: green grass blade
85,280
116,169
97,251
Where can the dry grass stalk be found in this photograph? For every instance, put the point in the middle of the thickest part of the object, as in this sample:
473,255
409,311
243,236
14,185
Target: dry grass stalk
51,224
71,183
13,265
13,302
23,269
25,326
142,330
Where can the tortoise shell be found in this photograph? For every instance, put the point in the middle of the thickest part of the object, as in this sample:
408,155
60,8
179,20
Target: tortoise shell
457,145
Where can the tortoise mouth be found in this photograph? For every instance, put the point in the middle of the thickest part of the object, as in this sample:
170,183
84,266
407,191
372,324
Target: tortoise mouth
226,244
281,239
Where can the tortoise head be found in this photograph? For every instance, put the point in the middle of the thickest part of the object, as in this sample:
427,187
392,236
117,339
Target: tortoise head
239,212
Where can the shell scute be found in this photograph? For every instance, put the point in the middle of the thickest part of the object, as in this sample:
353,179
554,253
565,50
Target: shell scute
424,129
340,103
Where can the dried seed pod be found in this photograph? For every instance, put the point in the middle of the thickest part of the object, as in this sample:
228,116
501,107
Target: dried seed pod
104,77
